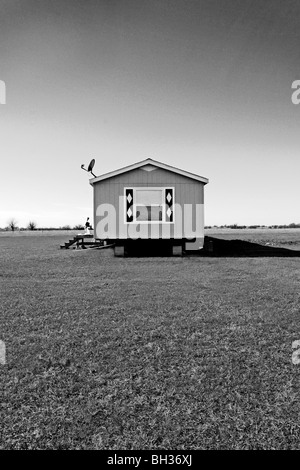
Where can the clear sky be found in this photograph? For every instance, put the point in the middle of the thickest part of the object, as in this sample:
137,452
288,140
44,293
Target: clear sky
204,85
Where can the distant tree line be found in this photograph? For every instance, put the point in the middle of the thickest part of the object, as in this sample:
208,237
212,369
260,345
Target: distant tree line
12,225
236,226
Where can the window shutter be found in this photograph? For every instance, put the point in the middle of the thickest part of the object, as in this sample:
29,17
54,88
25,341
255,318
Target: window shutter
169,201
129,205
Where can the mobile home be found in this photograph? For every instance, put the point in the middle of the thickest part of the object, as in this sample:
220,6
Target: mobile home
152,201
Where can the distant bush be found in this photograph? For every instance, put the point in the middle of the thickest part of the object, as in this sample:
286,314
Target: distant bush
65,227
78,227
12,225
294,225
31,225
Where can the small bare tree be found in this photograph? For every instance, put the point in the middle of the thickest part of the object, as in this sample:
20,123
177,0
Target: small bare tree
12,224
31,225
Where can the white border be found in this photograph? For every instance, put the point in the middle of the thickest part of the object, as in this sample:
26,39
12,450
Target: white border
149,188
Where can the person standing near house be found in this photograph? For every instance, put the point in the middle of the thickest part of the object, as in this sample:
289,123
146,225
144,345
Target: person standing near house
87,226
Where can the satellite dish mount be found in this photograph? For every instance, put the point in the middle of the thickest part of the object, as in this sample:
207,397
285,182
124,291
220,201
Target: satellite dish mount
90,167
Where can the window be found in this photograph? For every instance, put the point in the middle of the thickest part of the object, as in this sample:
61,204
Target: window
149,205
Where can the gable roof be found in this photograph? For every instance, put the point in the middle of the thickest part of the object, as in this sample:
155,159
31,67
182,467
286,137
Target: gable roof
151,162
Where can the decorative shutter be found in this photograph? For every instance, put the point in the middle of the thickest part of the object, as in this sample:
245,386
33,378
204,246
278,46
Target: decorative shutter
169,201
129,205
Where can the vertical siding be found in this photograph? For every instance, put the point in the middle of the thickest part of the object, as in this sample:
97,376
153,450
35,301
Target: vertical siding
187,191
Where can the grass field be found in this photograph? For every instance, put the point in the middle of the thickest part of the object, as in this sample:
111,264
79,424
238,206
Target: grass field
147,353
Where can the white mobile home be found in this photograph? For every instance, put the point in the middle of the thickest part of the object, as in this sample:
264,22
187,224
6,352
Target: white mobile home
150,200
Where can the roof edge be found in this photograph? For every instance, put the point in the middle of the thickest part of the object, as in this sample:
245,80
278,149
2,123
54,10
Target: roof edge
142,163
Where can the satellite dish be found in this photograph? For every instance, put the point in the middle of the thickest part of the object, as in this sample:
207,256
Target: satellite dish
91,165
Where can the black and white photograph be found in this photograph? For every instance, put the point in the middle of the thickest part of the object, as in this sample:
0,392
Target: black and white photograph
149,227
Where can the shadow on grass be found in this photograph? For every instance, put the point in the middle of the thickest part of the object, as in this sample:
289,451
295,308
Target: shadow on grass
213,247
148,248
239,248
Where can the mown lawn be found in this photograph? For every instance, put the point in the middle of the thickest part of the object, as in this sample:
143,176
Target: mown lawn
146,353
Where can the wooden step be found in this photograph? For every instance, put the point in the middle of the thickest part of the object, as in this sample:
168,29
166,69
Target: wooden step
81,241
